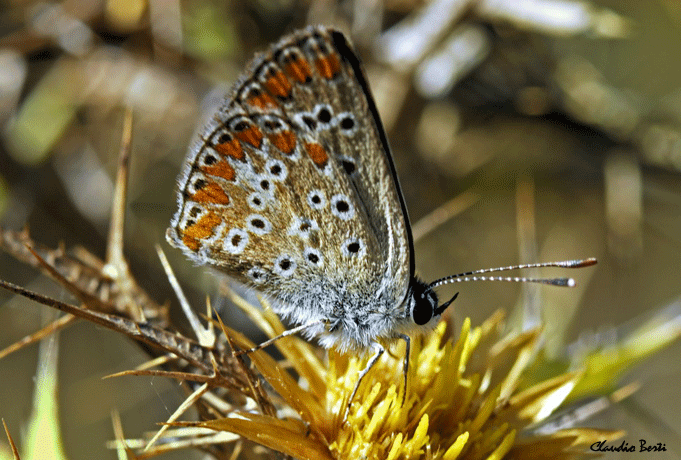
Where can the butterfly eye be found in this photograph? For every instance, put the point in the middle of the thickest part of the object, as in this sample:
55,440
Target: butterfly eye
422,311
422,302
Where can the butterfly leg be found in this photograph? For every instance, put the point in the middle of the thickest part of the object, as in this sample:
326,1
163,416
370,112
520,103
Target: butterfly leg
286,333
405,365
378,351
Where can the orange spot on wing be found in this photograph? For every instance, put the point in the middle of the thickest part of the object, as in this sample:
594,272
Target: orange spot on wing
263,101
328,66
299,69
252,135
202,229
231,148
317,154
279,85
211,193
284,141
221,169
190,242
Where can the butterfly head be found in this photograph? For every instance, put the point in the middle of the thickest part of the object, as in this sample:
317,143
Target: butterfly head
423,304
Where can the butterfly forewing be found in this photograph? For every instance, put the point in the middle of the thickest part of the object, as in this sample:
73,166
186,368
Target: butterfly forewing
290,186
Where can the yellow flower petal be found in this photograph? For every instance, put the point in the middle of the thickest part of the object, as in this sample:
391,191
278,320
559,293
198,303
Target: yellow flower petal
396,447
455,449
504,447
288,437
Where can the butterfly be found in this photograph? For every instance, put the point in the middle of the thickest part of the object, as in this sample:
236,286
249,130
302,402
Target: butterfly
290,188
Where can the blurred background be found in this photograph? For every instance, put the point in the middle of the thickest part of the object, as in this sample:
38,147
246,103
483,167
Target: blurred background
522,131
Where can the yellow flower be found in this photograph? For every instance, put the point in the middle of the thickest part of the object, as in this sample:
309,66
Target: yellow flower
463,399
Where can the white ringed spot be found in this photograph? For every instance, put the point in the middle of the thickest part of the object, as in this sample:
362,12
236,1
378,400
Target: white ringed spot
323,113
284,266
258,224
348,164
342,207
302,227
235,241
257,275
305,121
346,122
353,247
276,170
316,199
256,201
313,257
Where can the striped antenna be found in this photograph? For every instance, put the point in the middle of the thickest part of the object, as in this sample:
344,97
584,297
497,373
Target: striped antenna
474,275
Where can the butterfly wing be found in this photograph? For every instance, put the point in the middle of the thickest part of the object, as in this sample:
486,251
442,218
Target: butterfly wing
290,187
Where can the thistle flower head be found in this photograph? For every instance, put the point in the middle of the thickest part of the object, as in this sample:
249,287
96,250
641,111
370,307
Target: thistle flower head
464,399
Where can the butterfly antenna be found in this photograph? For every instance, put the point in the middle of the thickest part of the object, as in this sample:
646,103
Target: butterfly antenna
439,310
475,275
